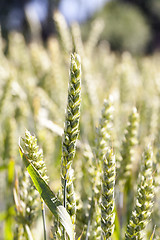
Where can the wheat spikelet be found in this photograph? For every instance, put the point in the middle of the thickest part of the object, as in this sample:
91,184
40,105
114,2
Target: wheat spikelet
25,195
128,145
71,133
107,206
144,201
156,214
34,154
102,144
104,130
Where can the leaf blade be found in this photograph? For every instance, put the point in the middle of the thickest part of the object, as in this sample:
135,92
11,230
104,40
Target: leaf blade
48,196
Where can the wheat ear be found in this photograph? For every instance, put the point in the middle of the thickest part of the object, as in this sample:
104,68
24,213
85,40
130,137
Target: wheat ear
71,132
35,155
128,145
107,206
144,201
102,144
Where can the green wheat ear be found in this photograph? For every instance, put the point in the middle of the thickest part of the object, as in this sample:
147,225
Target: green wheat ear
71,132
34,154
130,141
104,130
102,144
156,212
107,206
144,201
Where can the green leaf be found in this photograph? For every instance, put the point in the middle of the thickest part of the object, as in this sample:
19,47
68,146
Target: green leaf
116,234
80,236
48,196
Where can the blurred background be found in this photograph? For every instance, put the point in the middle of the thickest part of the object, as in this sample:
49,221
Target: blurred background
132,25
118,41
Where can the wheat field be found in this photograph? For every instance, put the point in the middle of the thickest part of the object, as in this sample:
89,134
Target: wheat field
79,142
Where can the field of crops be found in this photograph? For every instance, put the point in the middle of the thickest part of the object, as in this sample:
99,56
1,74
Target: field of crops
82,125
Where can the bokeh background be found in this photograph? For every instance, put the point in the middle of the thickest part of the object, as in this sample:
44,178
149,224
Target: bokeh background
119,44
132,25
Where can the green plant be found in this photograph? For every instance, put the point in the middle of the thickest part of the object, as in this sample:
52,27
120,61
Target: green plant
107,206
92,160
144,201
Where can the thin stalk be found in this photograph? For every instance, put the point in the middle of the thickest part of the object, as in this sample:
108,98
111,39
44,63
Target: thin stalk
151,238
43,217
28,232
88,226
